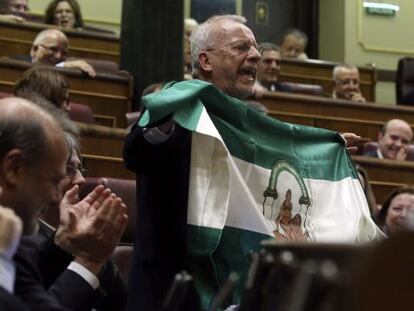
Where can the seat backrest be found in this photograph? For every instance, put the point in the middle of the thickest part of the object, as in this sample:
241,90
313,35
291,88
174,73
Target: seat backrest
405,81
126,190
303,88
81,113
103,66
122,256
4,95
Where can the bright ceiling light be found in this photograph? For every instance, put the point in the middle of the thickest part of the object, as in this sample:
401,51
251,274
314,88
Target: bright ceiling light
379,5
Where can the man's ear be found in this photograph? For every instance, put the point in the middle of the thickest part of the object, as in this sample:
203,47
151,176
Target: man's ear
205,62
380,136
14,167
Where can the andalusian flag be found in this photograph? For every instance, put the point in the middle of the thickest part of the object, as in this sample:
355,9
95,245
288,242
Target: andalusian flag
253,178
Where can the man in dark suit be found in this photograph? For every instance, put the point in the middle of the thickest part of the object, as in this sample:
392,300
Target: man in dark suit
393,141
111,294
268,70
161,158
33,157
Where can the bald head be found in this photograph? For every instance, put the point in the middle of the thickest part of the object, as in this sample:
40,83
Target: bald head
33,153
394,139
50,47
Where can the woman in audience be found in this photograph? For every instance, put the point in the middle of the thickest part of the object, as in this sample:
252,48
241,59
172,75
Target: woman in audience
64,13
397,212
46,82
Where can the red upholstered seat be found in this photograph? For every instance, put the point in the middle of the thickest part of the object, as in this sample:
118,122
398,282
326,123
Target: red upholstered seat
405,81
303,88
81,113
126,190
3,95
122,257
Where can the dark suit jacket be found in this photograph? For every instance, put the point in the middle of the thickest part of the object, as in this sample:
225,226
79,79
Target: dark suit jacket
29,286
9,302
111,295
371,153
160,245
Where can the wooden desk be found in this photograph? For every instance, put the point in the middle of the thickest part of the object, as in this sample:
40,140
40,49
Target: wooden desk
108,95
16,39
386,175
101,148
320,72
365,119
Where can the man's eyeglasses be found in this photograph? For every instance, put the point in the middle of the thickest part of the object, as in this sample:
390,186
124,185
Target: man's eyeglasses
54,49
71,170
243,47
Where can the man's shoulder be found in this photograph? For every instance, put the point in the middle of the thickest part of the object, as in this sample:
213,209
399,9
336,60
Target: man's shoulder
9,302
371,153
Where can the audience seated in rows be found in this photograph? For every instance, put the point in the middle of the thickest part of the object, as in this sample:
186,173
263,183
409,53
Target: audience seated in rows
268,75
64,13
393,141
293,44
397,212
346,83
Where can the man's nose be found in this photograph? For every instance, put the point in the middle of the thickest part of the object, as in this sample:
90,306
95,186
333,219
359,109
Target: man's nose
254,54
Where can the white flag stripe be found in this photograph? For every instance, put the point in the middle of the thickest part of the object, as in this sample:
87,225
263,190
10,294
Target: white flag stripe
227,191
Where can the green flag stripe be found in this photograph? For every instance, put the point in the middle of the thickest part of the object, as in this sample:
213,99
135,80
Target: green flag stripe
230,255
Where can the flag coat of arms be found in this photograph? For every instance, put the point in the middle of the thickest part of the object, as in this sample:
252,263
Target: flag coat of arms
253,177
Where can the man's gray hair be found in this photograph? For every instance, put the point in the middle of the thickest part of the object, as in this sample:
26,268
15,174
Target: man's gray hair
338,68
296,33
203,35
269,46
24,133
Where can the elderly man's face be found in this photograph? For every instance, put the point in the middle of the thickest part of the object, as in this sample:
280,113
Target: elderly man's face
292,47
50,50
38,188
233,59
397,136
347,83
269,67
19,8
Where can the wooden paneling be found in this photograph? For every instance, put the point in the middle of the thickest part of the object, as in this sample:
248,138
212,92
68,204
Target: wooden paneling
320,72
108,95
16,39
102,151
98,166
386,175
364,119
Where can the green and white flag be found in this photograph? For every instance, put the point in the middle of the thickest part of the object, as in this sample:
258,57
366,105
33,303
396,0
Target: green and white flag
253,178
